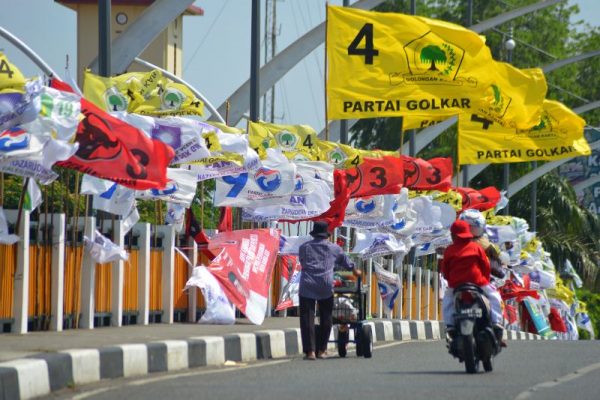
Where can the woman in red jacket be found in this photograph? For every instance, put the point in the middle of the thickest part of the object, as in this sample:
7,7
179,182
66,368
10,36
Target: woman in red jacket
465,261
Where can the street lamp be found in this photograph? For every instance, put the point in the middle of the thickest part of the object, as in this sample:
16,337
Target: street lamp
509,45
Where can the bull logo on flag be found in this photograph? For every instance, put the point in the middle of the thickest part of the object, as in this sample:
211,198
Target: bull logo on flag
14,139
268,179
94,142
411,173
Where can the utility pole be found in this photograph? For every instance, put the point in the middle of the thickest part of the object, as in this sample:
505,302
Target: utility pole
468,22
412,150
255,61
270,51
509,45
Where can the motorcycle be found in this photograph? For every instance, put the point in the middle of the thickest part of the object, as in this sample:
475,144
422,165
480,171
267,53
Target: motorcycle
474,338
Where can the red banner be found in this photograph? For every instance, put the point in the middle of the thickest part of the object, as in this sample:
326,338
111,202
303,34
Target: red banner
114,150
482,199
244,267
290,282
376,176
434,174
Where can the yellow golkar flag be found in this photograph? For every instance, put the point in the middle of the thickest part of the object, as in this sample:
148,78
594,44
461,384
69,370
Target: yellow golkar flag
420,121
148,93
515,96
11,79
297,142
388,64
558,135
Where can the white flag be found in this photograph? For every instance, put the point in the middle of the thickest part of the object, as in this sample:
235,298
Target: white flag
59,113
219,309
5,237
103,250
33,196
175,216
109,196
373,244
291,244
29,169
19,108
269,185
181,188
389,287
370,212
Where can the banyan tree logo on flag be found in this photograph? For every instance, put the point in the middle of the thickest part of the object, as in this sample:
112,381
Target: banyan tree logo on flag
171,99
548,128
286,140
14,139
499,101
268,179
115,100
432,61
336,156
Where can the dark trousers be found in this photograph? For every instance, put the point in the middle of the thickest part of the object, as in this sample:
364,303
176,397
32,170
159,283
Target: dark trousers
307,323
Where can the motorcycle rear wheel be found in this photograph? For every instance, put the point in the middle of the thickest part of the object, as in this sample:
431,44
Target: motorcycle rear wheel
471,362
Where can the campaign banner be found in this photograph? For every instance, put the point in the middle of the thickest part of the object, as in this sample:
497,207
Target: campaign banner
218,308
290,280
376,176
297,142
311,196
244,266
389,285
432,174
269,185
29,169
392,64
180,188
114,150
183,135
371,211
479,199
538,318
374,244
559,135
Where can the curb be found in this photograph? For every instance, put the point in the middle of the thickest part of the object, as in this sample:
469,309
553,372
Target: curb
41,374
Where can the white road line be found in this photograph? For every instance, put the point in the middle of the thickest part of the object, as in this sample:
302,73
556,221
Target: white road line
555,382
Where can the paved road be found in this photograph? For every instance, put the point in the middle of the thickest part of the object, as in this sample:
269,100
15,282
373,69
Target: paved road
412,370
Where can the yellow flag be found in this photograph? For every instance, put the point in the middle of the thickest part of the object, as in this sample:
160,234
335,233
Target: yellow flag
345,156
298,142
11,79
558,135
514,98
389,64
148,93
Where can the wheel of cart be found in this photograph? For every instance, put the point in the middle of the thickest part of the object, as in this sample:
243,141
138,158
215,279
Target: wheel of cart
349,301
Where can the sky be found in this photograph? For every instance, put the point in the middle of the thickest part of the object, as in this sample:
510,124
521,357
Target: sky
216,48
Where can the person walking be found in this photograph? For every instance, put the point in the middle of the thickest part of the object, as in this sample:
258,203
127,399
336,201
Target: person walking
318,257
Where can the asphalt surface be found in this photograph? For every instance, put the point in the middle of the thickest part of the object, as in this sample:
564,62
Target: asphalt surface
409,370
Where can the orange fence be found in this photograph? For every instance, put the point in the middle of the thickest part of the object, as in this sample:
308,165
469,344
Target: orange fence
180,298
7,273
103,288
130,282
155,280
72,281
40,281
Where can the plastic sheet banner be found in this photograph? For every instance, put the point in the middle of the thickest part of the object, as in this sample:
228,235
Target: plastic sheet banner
219,310
559,135
244,266
538,318
391,64
290,276
389,285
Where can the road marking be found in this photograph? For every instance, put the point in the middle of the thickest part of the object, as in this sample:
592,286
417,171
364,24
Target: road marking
557,381
140,382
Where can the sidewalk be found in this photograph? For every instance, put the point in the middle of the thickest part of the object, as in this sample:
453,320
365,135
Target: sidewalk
38,363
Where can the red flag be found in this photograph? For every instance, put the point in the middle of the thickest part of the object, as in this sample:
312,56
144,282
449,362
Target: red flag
482,199
114,150
290,277
376,176
434,174
193,229
244,268
557,323
225,220
510,290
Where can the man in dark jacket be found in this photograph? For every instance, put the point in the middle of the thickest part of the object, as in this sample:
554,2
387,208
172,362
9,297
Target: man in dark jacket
318,258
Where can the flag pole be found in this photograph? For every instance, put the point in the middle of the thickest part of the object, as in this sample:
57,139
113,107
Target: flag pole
325,69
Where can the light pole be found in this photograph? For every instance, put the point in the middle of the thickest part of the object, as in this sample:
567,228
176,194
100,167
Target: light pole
509,45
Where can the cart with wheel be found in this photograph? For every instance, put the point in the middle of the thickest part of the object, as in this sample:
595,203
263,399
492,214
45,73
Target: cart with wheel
349,304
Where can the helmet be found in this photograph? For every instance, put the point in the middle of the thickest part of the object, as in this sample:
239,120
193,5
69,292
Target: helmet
475,219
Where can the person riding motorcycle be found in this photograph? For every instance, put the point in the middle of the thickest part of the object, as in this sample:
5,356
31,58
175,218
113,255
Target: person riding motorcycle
465,261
